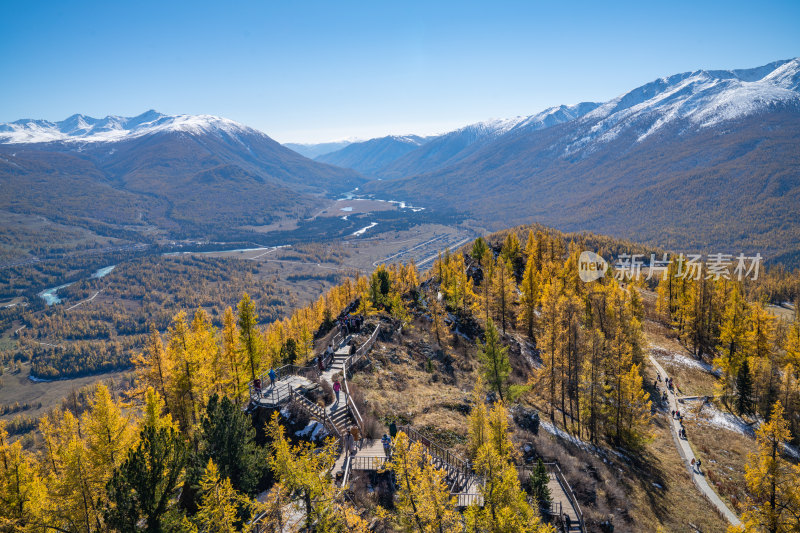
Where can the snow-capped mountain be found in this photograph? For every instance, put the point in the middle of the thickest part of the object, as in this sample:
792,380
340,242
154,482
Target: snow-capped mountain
699,99
81,128
187,175
704,158
452,147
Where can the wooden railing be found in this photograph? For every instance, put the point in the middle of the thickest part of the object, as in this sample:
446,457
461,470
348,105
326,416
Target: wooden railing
565,486
346,475
367,463
310,372
452,463
316,412
346,365
465,499
351,406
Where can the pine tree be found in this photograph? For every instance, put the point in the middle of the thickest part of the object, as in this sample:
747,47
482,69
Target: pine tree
499,437
763,358
773,484
592,390
636,407
744,389
477,422
365,306
478,249
487,269
140,490
549,343
538,485
154,408
496,367
511,252
438,317
505,507
109,435
153,366
399,308
227,436
792,344
187,373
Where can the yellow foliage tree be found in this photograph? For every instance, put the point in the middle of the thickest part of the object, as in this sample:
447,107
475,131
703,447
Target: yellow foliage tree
424,503
220,504
21,490
773,484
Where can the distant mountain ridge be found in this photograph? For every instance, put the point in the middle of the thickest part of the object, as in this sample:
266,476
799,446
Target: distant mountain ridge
452,147
312,150
191,176
368,157
694,160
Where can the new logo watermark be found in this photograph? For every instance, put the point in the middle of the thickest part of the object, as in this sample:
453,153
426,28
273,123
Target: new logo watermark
592,266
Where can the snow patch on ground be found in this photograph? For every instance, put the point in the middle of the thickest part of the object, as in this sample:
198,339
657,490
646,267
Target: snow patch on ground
791,450
558,432
712,416
680,359
314,430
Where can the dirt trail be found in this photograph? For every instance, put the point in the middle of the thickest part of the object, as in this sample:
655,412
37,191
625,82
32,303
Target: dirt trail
687,455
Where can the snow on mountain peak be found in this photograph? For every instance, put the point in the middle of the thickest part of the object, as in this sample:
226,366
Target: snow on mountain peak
80,128
704,98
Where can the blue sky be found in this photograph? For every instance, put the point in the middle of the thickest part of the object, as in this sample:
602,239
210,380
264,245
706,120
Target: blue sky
314,71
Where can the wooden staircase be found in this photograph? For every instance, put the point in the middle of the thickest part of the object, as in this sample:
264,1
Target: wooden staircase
464,484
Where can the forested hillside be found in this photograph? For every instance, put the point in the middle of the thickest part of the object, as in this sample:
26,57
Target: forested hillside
499,339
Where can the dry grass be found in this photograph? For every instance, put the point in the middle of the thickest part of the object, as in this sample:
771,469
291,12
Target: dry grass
402,385
679,506
723,464
691,380
641,490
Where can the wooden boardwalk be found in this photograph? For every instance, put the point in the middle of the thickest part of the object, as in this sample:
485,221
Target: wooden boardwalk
277,394
562,503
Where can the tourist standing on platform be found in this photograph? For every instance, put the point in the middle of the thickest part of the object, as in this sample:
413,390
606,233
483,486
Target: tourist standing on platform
356,433
387,445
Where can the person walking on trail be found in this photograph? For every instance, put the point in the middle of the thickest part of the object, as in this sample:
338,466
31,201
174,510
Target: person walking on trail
692,464
272,375
356,434
392,429
698,467
387,445
348,444
336,388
